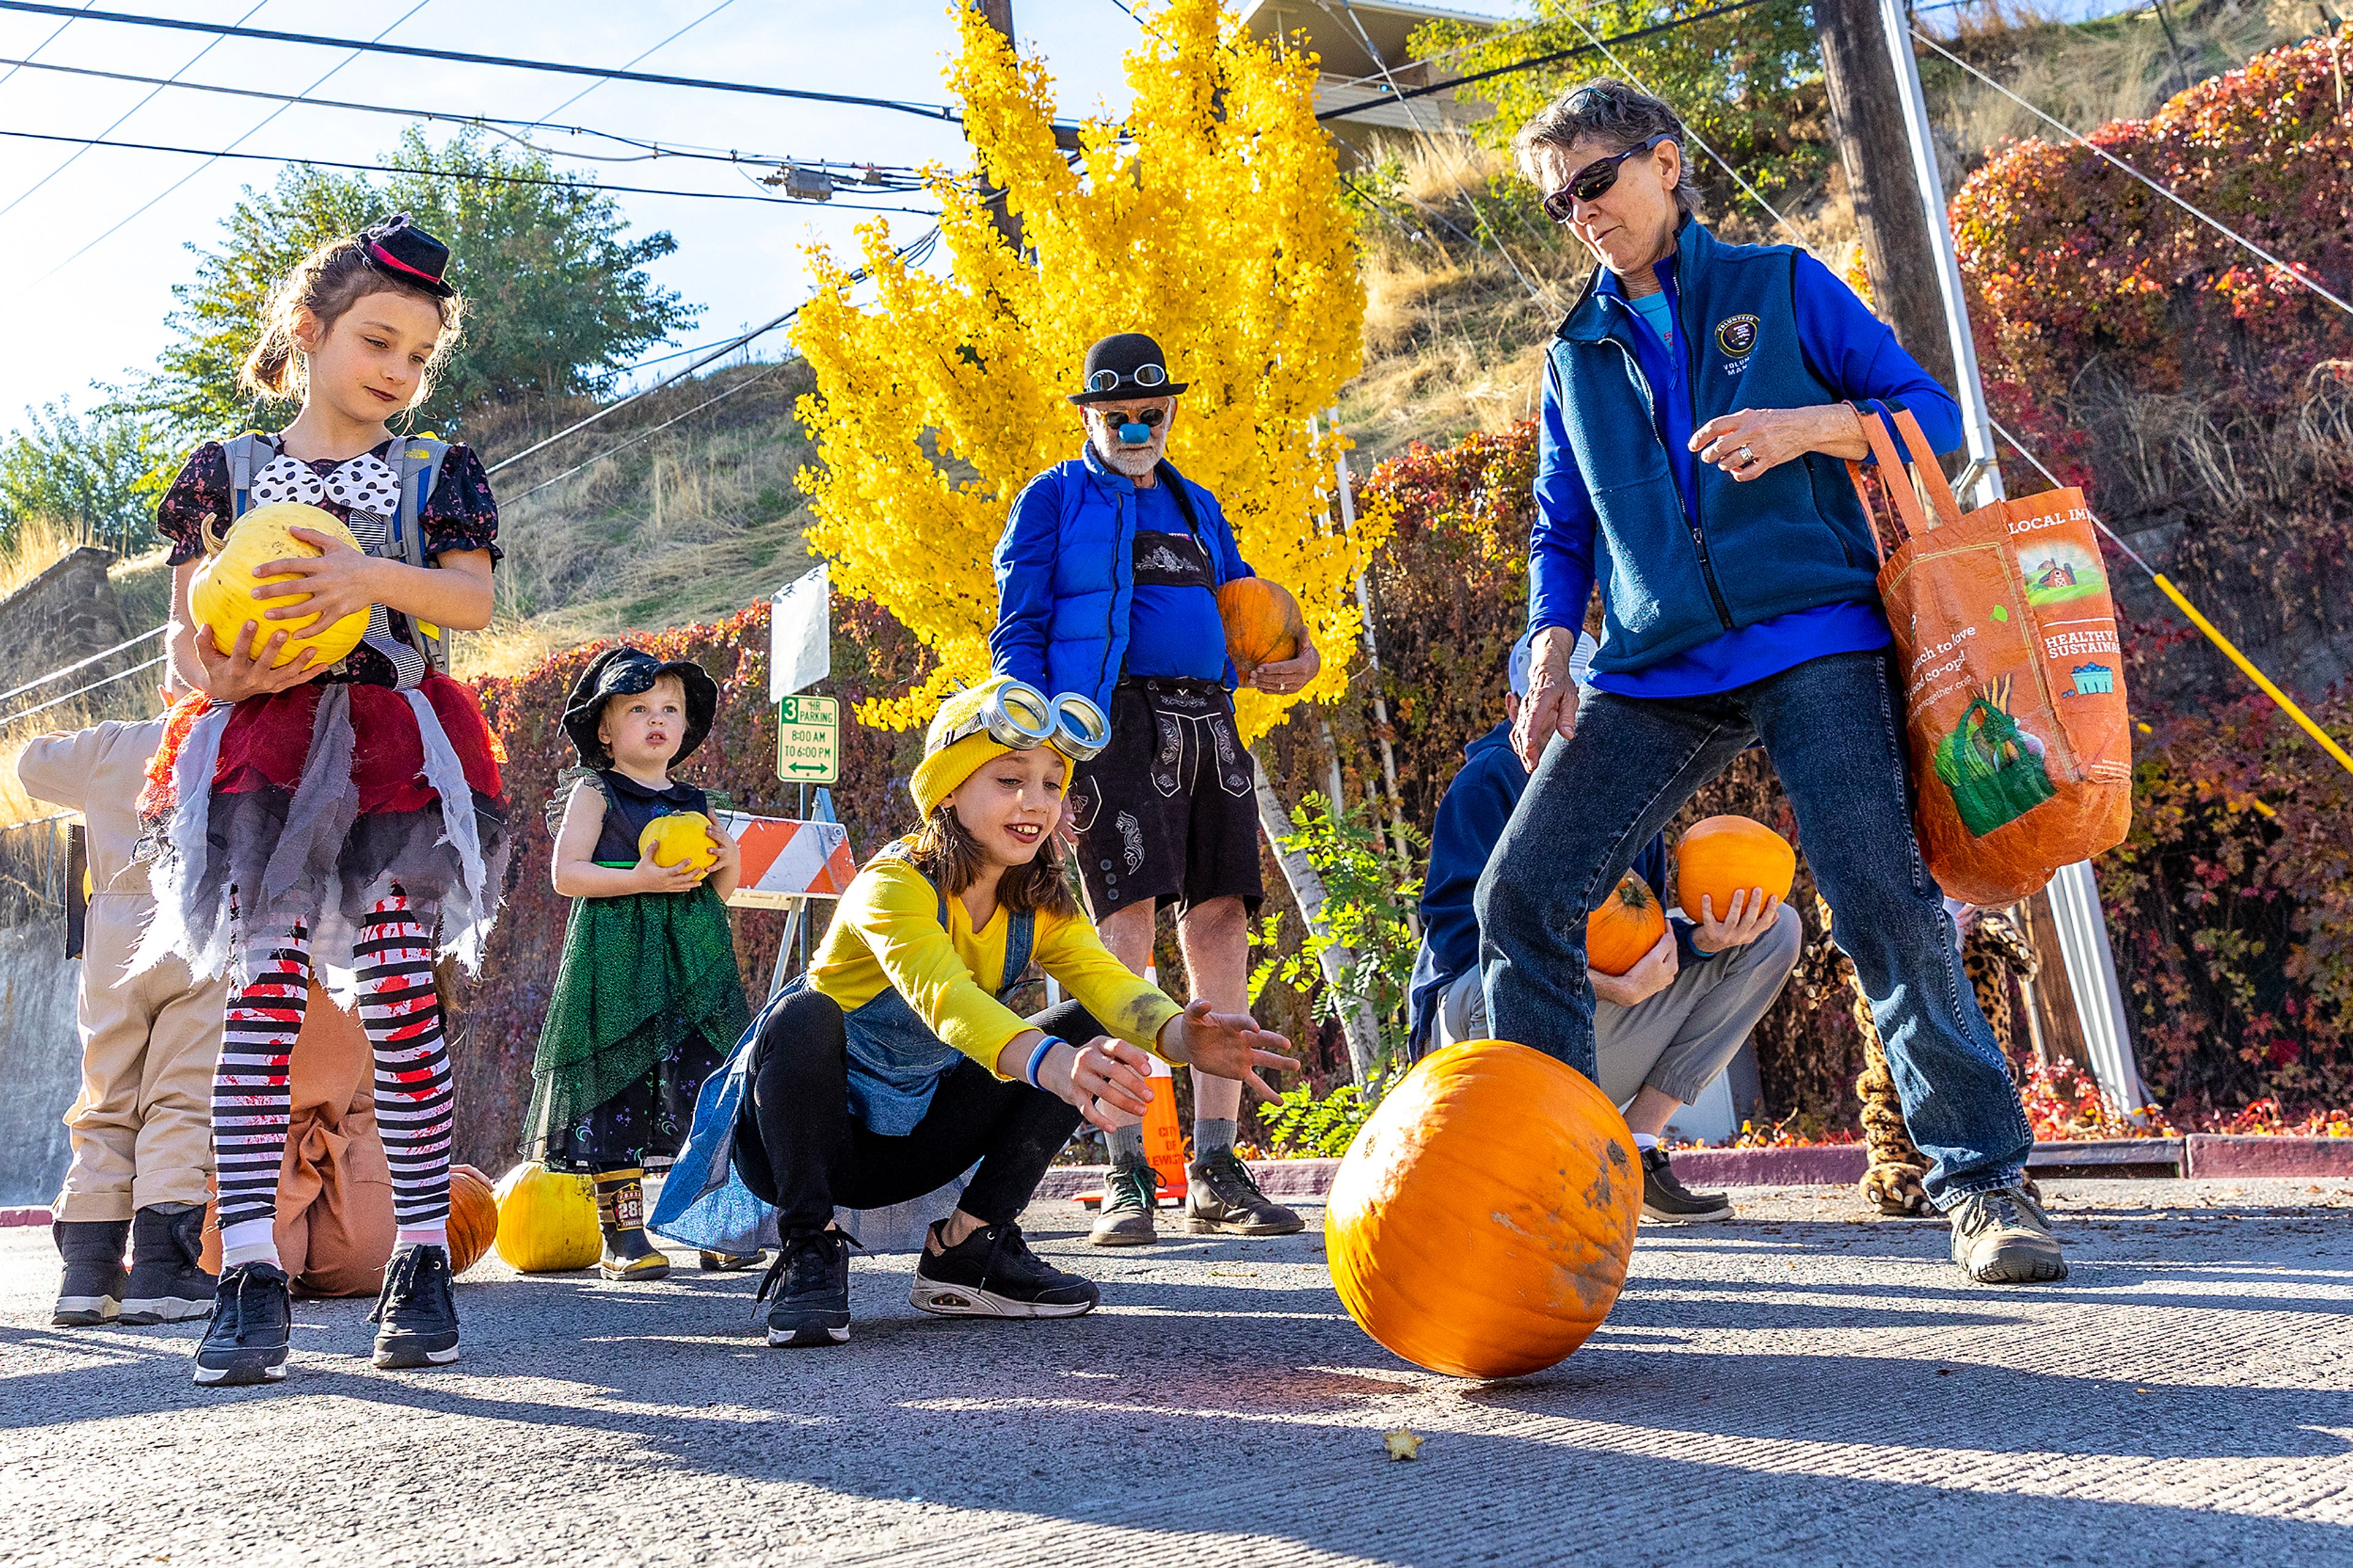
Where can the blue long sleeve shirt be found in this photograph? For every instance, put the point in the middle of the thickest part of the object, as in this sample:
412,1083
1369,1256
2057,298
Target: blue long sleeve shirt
1846,346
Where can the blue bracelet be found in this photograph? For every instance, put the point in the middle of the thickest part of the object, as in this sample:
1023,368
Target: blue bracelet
1039,1056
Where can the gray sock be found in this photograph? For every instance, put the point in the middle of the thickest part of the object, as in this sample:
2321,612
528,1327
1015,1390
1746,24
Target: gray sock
1211,1137
1128,1145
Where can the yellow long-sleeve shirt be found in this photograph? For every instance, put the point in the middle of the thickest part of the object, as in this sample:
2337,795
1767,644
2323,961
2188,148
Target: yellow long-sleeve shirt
887,932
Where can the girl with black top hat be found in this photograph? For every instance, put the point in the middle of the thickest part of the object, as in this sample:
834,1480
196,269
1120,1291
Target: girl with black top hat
353,810
648,1003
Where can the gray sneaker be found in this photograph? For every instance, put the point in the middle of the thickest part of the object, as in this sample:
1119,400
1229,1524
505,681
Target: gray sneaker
1221,1197
2004,1238
1129,1194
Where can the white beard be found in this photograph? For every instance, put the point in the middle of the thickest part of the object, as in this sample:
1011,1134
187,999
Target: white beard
1127,462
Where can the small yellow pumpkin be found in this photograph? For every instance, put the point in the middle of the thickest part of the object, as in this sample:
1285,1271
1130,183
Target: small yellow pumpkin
547,1220
682,838
220,593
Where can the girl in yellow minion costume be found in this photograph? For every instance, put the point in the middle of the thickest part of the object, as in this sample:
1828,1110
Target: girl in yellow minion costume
894,1065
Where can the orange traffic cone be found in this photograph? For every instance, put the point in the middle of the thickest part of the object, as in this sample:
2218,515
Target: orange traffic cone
1163,1140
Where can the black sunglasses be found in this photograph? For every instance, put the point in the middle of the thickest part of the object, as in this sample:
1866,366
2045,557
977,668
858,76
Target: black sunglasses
1593,182
1148,417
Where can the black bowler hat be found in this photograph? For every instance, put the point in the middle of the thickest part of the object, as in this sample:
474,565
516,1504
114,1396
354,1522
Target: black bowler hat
624,672
398,248
1125,365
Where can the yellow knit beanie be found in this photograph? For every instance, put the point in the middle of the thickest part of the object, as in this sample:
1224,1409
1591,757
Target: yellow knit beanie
947,763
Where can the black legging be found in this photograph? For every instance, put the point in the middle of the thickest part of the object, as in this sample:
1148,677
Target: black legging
798,1146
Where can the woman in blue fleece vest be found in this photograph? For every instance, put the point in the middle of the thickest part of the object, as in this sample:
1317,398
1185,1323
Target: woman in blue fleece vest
1700,404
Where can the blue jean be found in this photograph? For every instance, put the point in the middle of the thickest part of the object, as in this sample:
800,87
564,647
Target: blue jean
1834,728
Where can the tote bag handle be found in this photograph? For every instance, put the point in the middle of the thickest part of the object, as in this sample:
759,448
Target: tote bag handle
1915,519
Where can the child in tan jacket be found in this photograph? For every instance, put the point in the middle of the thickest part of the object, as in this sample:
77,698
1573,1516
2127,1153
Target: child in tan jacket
142,1129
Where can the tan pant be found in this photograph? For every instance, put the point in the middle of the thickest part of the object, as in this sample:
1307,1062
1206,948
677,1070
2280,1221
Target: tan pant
142,1129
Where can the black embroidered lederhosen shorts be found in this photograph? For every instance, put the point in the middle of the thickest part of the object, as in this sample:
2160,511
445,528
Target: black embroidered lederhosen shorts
1166,812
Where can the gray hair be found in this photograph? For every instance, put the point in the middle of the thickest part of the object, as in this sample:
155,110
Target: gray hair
1608,111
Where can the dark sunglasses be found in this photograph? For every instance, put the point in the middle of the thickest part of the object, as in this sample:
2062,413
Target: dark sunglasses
1149,418
1592,181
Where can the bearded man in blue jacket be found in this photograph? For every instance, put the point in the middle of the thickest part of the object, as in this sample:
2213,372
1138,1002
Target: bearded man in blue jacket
1701,402
1106,581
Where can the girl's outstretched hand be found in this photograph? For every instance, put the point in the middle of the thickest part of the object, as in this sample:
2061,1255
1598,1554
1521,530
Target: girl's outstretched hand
246,669
653,876
1226,1045
341,582
1101,1077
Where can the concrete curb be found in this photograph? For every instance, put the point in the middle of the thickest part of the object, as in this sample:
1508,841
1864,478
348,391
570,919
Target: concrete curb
2215,1154
24,1216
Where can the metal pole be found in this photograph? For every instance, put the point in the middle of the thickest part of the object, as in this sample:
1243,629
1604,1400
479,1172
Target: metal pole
2075,895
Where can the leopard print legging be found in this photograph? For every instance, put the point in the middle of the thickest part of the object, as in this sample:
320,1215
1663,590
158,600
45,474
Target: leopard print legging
1994,951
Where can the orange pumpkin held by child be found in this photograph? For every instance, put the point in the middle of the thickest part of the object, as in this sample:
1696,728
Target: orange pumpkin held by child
1259,615
473,1218
1722,856
1482,1221
1628,923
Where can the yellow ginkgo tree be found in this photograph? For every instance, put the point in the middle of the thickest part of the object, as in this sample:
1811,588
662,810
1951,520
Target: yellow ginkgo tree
1208,217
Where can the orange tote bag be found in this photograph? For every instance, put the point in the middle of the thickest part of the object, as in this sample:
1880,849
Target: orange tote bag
2013,686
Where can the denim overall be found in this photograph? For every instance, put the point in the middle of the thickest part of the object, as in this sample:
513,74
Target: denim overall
895,1066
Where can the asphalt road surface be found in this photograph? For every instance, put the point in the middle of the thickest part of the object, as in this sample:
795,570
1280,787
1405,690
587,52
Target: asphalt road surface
1806,1385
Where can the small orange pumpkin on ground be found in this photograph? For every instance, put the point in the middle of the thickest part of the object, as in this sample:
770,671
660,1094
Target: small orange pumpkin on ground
1480,1224
1259,615
1628,923
1722,856
473,1218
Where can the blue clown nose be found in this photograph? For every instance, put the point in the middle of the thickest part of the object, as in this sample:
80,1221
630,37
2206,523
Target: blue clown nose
1135,435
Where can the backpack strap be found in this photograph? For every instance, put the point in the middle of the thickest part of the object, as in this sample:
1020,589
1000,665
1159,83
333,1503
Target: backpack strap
245,454
1181,496
417,463
1020,929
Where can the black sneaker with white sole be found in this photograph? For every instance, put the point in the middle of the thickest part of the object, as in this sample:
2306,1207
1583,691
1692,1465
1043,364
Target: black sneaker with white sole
811,1283
416,1316
992,1273
168,1283
252,1324
1665,1198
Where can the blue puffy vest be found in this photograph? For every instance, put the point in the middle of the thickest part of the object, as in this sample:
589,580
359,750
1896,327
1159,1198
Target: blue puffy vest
1793,539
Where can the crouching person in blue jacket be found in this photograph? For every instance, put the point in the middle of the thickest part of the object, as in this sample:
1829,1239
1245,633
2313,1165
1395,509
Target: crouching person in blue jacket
1106,581
1663,1030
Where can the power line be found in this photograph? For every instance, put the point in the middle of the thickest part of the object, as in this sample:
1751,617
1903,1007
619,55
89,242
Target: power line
641,57
1533,61
565,181
15,66
84,691
412,51
2217,225
648,432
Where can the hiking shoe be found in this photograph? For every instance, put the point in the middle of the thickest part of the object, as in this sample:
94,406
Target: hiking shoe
1129,1194
168,1282
810,1281
1663,1198
2004,1238
416,1316
711,1262
253,1321
89,1291
992,1273
1222,1197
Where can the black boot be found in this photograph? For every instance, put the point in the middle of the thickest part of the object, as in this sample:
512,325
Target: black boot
90,1292
168,1282
629,1254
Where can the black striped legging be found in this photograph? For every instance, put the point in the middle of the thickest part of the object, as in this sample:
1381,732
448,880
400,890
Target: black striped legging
252,1093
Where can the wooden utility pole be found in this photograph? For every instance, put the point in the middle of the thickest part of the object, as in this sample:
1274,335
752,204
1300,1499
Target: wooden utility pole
1868,121
999,14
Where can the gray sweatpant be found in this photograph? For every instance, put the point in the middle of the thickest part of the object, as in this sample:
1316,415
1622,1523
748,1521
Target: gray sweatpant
1677,1041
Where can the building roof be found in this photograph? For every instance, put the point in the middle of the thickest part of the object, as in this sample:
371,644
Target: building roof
1361,48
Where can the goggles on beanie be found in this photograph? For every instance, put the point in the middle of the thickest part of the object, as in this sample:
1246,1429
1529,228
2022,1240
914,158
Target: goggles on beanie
1019,716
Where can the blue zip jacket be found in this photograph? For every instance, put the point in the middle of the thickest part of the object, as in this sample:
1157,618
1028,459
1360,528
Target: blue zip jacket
1470,818
1066,575
1686,555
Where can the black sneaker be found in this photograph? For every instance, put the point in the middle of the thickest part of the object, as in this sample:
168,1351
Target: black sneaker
2004,1238
253,1319
1129,1194
1221,1198
168,1282
992,1273
89,1291
416,1316
1663,1198
810,1282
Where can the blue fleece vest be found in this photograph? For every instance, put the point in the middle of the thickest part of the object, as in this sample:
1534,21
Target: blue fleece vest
1793,539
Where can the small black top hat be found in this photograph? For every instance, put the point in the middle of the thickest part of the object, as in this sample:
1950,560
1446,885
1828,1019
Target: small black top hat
398,248
624,672
1124,365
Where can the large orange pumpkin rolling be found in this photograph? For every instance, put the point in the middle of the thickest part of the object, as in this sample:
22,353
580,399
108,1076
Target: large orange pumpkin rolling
473,1218
1258,615
1722,856
1627,924
1480,1222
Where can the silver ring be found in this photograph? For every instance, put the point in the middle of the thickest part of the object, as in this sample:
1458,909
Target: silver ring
1748,456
